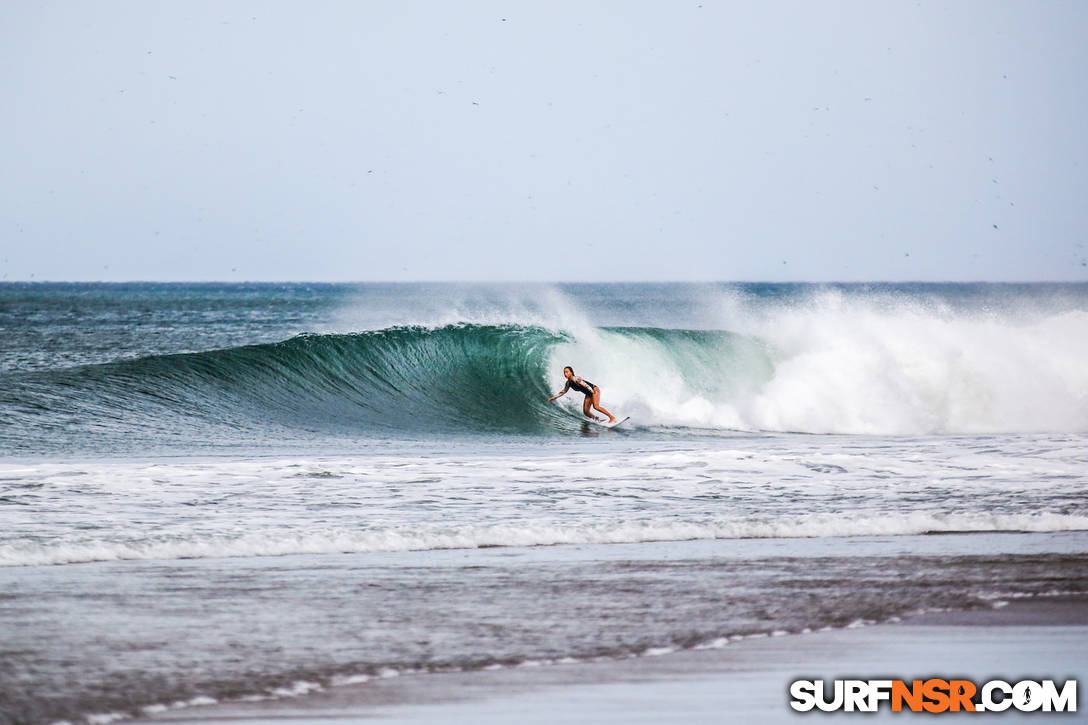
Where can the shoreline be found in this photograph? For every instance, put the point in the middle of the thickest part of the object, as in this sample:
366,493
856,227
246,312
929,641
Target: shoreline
744,680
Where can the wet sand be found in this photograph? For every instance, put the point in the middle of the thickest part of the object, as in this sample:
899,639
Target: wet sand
743,681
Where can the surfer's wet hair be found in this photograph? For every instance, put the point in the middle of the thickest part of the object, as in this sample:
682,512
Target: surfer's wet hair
568,367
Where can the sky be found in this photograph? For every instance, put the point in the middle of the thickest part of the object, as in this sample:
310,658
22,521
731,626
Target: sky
557,141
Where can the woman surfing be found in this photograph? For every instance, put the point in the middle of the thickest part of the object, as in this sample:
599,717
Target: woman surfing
591,391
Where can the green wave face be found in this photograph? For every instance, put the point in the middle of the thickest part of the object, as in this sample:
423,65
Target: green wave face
393,382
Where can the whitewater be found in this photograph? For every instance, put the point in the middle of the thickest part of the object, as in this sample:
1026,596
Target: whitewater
225,490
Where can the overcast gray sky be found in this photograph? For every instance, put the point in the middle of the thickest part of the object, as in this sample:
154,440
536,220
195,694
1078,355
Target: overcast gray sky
544,141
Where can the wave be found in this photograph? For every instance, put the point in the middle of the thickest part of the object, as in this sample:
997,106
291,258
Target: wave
827,366
517,534
459,377
456,378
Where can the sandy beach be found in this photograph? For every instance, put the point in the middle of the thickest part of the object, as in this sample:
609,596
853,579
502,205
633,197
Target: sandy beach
742,681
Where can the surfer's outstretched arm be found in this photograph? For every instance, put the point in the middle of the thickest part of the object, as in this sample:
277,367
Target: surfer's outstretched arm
561,393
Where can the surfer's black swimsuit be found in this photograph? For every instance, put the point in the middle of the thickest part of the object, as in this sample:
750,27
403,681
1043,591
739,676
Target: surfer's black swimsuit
585,387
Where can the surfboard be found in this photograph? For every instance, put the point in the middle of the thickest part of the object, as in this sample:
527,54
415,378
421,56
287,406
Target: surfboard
603,424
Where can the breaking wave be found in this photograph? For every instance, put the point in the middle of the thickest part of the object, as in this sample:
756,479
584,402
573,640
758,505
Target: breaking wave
831,367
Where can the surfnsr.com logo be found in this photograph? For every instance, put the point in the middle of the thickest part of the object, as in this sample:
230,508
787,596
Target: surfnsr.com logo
933,695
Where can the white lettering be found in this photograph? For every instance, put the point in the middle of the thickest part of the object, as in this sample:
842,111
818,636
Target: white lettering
1064,701
855,695
803,693
879,690
988,701
821,697
1027,696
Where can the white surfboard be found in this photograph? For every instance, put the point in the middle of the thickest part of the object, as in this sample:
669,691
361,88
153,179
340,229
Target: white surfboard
602,423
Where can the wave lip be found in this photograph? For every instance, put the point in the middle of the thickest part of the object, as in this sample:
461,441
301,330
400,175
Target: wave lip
528,534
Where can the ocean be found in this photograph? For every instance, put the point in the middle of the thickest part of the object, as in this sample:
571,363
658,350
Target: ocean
229,492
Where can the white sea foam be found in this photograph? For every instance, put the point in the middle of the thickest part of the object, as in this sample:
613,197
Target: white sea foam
760,487
298,688
342,680
658,651
277,543
844,364
105,718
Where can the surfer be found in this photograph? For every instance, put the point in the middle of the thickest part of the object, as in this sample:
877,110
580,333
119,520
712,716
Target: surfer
591,391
